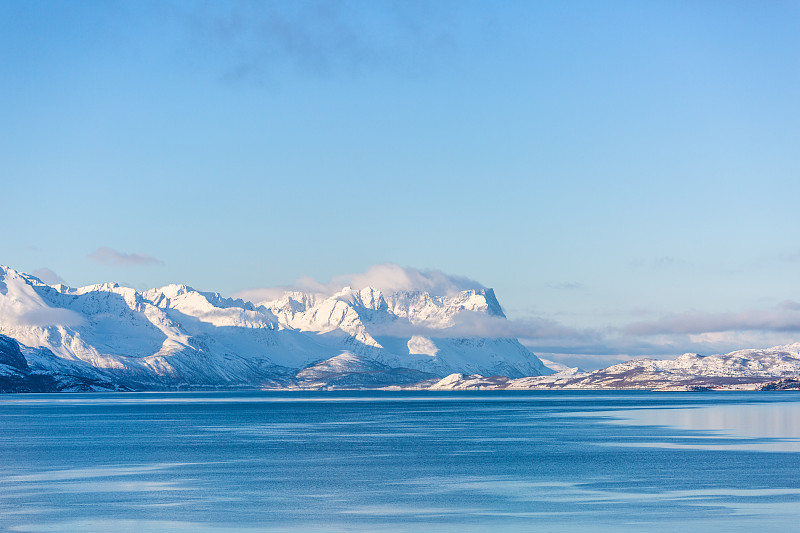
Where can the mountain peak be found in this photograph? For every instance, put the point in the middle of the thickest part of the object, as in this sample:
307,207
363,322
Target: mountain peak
174,290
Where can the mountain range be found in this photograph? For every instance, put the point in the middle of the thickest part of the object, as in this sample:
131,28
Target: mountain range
776,368
106,336
109,337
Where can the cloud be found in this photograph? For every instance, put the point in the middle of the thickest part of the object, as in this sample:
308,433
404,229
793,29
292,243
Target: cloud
109,256
474,324
48,276
704,333
257,39
49,316
790,257
785,317
670,336
390,277
265,294
789,305
386,277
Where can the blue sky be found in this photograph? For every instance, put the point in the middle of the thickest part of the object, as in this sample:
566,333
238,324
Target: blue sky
623,172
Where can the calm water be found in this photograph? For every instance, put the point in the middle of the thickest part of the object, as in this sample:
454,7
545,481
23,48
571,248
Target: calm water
417,461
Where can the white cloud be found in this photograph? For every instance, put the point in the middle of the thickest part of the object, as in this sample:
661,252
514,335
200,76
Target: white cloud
390,277
48,276
109,256
265,294
48,316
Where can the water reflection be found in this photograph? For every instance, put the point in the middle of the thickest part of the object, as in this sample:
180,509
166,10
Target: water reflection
769,427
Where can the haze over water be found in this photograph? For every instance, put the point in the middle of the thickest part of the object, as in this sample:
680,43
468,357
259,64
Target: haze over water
378,461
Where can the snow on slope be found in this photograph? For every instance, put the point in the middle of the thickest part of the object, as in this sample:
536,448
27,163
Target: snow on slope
558,367
178,336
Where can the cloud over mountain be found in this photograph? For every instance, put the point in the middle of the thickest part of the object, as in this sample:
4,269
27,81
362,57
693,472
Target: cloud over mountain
390,277
386,277
48,276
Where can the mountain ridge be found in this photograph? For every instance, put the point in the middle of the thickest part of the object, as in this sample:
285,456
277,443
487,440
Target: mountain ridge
176,336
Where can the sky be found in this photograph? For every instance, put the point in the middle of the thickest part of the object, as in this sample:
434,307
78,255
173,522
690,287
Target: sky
624,174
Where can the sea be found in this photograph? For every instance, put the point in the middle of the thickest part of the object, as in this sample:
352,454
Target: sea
412,461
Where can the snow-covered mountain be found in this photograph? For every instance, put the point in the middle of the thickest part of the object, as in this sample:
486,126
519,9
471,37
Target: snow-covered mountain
771,368
108,336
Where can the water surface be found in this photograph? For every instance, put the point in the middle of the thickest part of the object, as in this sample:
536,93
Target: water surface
378,461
